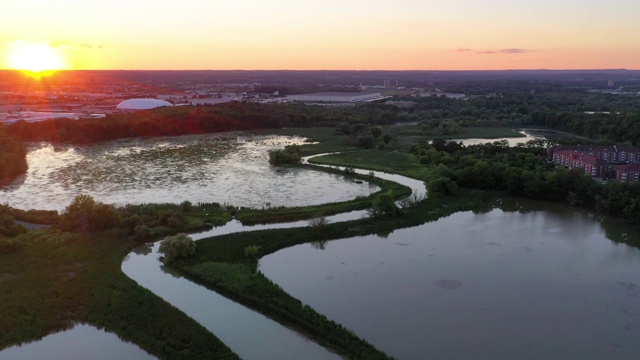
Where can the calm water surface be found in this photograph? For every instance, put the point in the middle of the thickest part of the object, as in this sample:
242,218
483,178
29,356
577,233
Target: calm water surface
249,334
526,284
512,141
529,134
81,342
203,168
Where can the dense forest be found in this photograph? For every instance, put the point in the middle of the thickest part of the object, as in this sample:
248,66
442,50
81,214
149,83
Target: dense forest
594,115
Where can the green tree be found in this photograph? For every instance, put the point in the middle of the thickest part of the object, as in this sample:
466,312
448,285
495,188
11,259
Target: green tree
84,214
252,251
176,246
384,205
289,155
13,157
441,186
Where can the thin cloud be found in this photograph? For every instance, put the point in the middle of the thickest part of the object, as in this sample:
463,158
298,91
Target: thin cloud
504,51
491,51
513,51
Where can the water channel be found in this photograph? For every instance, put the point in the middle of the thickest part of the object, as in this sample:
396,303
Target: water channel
248,333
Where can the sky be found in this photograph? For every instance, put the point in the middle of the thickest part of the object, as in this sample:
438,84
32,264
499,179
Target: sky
324,34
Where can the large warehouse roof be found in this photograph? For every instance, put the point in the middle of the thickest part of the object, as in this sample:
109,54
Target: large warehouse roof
341,97
142,104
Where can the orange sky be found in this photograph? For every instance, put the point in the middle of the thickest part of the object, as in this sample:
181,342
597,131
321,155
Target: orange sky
328,34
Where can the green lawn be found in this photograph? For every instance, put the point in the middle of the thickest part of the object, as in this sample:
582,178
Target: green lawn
394,161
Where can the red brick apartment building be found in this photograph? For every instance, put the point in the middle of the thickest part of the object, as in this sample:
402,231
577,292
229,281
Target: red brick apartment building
608,153
571,159
629,172
595,159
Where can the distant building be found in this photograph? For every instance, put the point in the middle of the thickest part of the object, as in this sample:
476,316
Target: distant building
443,94
629,172
572,159
608,153
336,97
142,104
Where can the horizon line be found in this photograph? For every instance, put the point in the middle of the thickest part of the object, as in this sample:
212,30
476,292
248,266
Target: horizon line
353,70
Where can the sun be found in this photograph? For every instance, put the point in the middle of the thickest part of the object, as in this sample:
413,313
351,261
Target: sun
35,58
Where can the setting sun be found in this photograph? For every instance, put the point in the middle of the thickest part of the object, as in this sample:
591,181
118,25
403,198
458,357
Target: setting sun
35,58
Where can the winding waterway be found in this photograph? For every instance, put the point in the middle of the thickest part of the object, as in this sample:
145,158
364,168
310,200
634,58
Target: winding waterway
250,334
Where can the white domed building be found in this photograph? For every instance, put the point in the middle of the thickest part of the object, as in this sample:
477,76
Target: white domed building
142,104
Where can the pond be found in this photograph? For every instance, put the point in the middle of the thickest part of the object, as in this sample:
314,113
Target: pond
529,134
199,168
525,280
80,342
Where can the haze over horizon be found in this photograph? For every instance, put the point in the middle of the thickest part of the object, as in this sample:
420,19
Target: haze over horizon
320,35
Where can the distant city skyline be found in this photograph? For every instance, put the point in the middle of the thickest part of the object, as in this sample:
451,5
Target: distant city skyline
317,35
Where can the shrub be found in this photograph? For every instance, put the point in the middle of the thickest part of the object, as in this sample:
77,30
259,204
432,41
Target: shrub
384,205
176,246
252,251
318,223
174,222
142,232
131,222
186,206
8,246
84,214
441,186
289,155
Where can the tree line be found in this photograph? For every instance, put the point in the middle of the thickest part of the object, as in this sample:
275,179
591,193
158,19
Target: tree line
13,157
522,171
554,107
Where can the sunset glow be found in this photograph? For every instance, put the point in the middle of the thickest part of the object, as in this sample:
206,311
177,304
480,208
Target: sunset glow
327,34
35,58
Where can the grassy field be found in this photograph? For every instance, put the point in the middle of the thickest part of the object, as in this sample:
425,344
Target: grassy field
391,161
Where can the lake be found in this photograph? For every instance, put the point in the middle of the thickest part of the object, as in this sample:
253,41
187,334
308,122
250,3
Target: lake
525,280
220,168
